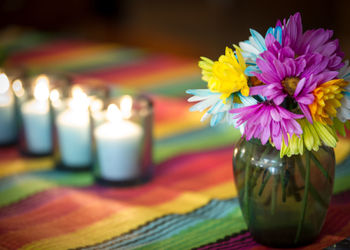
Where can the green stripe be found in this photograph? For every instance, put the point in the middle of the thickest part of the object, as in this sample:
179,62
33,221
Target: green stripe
342,173
176,87
25,185
21,42
23,189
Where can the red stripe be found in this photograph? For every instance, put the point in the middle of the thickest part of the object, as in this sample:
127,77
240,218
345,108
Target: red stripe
177,162
9,153
59,207
32,203
337,218
169,109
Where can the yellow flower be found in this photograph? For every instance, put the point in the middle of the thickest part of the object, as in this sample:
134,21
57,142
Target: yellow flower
226,76
207,68
327,100
313,136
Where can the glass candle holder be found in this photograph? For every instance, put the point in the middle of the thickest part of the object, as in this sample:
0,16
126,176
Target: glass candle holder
8,117
73,127
122,139
36,113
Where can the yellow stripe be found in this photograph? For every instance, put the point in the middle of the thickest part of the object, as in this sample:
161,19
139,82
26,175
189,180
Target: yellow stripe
185,124
131,218
342,149
17,166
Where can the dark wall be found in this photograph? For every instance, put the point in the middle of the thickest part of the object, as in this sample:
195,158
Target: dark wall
191,27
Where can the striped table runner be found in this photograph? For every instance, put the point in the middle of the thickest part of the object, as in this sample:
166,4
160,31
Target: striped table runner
191,201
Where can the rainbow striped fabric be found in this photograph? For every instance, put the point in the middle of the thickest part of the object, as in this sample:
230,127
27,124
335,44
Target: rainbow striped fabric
191,201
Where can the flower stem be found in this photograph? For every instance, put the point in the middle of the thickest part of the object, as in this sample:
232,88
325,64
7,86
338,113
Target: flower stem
284,176
283,184
257,171
256,174
263,184
274,194
320,167
266,151
313,191
305,197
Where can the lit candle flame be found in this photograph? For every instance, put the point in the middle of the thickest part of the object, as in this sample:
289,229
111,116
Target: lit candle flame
113,113
126,106
80,100
4,83
41,89
77,92
96,105
17,87
54,95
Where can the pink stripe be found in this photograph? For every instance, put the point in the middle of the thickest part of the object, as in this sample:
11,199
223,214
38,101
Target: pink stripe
140,68
43,214
32,203
175,162
240,241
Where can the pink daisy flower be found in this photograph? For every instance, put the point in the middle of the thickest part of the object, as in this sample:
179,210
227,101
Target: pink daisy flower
289,77
312,41
267,120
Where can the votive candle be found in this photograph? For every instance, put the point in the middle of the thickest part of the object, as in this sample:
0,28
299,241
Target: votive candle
8,128
36,119
118,143
74,134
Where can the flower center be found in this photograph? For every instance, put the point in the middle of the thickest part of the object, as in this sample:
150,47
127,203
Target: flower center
254,81
327,100
290,84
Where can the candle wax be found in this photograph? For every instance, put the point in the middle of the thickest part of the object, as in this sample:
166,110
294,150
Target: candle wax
74,138
37,126
118,145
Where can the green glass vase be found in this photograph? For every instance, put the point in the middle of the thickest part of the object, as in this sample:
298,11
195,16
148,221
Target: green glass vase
284,201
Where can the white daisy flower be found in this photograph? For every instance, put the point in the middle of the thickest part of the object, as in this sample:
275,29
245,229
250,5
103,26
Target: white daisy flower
343,112
215,108
252,48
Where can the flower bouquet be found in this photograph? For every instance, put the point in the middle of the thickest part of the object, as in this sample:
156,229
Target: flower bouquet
289,95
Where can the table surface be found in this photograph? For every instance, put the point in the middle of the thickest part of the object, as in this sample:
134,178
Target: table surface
190,202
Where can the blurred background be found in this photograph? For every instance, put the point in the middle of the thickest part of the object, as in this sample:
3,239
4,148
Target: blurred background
184,27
